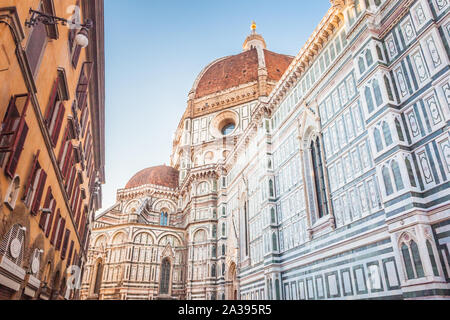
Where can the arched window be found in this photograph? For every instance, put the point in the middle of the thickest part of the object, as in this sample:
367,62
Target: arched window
397,176
411,259
214,251
361,65
274,242
377,138
214,231
416,258
98,278
271,193
387,181
387,134
432,259
407,261
273,216
369,99
223,228
377,92
165,277
319,178
213,270
369,57
223,249
223,269
164,220
388,88
223,211
409,168
399,130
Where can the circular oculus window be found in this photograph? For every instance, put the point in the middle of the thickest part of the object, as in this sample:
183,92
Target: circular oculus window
224,124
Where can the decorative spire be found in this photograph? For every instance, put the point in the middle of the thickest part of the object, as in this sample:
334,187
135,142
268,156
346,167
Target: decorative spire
254,40
253,27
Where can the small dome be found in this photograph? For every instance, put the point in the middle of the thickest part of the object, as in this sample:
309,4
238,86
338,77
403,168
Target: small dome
161,175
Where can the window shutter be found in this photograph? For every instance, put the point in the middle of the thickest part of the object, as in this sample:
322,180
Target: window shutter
34,168
60,233
67,160
83,84
51,103
58,124
38,194
82,226
50,220
36,45
71,182
17,150
48,198
18,142
62,147
76,56
69,257
65,244
55,226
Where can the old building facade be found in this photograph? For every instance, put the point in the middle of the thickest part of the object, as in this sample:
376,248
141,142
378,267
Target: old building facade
320,176
51,143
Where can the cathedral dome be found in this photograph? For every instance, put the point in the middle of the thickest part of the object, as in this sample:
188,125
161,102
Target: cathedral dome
236,70
161,175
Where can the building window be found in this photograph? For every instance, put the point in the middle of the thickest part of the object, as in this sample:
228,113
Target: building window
12,245
223,229
164,219
411,259
98,278
213,270
387,181
223,249
399,130
377,92
432,259
412,179
274,242
369,99
165,276
397,176
319,178
14,131
369,58
377,138
13,193
387,134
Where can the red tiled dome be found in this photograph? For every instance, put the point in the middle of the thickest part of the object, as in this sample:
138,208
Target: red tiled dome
161,175
240,69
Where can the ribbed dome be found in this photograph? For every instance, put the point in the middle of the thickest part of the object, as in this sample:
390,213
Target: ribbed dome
161,175
239,69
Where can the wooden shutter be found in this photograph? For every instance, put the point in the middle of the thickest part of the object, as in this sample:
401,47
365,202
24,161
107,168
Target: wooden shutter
63,146
36,45
83,84
67,159
65,244
58,124
69,257
48,198
38,193
34,169
51,103
50,220
13,160
82,226
55,227
19,142
76,56
60,233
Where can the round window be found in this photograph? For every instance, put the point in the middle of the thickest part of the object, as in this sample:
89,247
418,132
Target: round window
228,128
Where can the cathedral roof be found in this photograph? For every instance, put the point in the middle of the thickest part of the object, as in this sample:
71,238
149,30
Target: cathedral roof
239,69
161,175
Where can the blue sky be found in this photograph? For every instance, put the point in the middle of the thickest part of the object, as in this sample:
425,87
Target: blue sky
154,52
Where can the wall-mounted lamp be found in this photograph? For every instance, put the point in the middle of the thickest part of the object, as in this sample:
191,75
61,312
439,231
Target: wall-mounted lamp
81,38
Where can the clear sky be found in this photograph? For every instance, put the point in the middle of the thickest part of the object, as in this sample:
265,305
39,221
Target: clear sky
154,51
